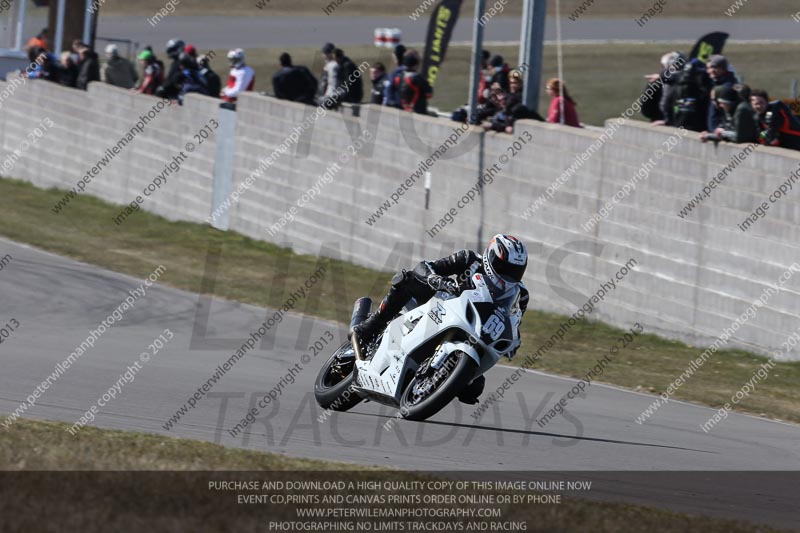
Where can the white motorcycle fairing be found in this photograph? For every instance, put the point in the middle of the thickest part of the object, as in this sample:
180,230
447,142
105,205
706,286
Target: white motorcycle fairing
442,325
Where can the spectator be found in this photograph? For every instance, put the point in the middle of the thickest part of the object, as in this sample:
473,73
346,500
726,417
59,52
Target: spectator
414,89
294,82
191,80
153,74
555,88
330,77
40,40
391,97
69,70
213,82
739,124
191,51
351,86
660,107
89,68
171,87
779,127
717,68
379,78
485,79
156,59
499,70
45,65
242,78
690,97
119,71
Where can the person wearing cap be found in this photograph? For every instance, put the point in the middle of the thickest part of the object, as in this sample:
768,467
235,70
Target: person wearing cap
739,124
721,76
329,79
118,71
499,70
391,97
153,73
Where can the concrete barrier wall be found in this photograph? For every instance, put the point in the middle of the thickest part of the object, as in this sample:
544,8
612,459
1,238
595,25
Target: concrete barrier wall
693,278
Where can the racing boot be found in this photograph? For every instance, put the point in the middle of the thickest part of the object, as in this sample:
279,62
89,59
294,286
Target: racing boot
367,331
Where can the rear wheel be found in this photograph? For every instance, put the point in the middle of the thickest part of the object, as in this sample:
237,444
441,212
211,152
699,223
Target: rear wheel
431,389
332,388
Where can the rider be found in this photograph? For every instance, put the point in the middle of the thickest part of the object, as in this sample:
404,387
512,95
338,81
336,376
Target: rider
502,264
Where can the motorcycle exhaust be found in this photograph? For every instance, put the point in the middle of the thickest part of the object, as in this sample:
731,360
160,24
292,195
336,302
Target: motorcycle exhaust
361,311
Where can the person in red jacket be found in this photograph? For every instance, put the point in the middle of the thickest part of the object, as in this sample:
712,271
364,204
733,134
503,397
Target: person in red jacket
242,78
555,88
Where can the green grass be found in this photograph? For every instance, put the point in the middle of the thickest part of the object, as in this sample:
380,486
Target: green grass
263,274
513,8
161,499
603,79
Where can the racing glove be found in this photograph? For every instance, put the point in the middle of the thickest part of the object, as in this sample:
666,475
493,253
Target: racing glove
439,283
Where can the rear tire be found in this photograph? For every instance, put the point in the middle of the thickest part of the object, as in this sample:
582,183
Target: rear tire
414,408
331,389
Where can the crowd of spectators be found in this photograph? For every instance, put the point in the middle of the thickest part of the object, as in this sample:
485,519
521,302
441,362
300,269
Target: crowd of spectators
188,72
500,89
708,98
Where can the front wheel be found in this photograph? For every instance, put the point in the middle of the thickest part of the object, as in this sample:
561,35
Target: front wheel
431,389
333,387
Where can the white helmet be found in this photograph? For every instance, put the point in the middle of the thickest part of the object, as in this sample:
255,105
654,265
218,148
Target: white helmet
505,260
112,50
236,57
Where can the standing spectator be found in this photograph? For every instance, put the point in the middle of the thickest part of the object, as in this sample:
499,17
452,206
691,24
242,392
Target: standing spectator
119,71
89,68
213,82
499,70
391,96
690,97
153,74
351,86
191,80
69,70
486,76
171,86
739,125
294,82
779,127
660,107
721,77
555,88
40,40
46,65
242,78
379,78
191,51
330,77
414,89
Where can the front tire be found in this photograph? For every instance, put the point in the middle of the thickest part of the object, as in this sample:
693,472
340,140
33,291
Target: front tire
332,389
428,394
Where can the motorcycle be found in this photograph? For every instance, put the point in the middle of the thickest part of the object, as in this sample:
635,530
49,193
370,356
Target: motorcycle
427,355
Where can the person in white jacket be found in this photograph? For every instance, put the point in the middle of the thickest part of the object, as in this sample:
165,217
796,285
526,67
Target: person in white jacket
242,78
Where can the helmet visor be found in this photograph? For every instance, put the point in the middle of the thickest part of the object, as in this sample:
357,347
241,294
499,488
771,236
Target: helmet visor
506,270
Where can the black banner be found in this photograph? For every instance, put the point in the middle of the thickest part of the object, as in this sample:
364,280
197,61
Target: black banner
708,45
440,29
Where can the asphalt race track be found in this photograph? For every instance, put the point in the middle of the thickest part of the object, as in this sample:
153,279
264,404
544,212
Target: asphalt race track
291,31
57,302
